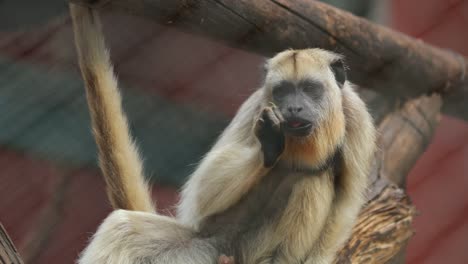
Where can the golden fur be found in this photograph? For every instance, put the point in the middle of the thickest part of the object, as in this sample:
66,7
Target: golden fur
120,163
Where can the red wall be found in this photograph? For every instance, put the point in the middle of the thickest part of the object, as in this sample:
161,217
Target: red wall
438,183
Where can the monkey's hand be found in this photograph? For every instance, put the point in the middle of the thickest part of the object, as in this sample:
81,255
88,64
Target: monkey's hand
268,131
223,259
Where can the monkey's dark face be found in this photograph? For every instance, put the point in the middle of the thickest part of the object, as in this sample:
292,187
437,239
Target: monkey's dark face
298,102
305,86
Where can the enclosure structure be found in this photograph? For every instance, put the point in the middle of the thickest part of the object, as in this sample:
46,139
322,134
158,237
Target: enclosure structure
394,65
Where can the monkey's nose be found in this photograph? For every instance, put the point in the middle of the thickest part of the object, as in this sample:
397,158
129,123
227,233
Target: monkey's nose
294,109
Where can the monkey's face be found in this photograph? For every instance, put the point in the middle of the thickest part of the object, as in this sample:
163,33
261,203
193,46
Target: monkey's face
297,102
305,87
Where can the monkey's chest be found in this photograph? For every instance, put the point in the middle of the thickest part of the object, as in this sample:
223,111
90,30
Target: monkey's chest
265,202
275,211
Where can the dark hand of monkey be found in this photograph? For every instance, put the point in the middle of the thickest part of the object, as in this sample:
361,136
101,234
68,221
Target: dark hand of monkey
268,132
223,259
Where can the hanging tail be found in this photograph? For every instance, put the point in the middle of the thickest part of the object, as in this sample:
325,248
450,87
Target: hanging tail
118,155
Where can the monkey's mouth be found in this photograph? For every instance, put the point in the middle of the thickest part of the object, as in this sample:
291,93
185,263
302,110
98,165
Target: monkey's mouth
298,128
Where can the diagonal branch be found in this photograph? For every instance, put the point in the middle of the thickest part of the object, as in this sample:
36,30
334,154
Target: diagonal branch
8,252
380,59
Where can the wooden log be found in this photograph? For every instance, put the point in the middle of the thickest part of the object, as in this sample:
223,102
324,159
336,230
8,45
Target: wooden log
8,252
381,59
383,230
405,135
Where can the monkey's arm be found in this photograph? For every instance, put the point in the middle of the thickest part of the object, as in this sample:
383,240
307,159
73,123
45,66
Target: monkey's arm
244,153
222,178
118,156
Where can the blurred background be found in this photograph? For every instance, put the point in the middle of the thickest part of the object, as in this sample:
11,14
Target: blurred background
179,91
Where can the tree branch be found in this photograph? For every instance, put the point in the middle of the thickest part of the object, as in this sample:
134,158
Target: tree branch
380,59
8,252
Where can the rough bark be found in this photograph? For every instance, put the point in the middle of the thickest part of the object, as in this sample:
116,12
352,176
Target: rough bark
383,229
379,58
8,252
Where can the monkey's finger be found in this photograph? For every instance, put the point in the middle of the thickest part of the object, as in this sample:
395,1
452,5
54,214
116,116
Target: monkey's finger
278,114
259,124
271,115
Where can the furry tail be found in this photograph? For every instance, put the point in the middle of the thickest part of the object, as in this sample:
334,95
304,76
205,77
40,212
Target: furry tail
118,156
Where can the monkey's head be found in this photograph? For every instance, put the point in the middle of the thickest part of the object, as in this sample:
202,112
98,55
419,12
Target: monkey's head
305,87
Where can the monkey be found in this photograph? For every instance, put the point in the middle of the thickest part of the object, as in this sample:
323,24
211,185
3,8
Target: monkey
283,183
321,174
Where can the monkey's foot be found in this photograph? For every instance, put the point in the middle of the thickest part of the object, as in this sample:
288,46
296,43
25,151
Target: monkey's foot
268,131
223,259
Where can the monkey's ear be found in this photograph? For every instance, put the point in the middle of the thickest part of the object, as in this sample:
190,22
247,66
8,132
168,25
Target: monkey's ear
339,70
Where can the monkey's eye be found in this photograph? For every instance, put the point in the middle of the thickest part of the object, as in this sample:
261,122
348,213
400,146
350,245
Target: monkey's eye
309,88
282,89
313,89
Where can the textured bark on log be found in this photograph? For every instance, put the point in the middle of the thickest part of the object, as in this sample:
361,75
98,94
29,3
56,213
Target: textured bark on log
383,229
405,135
379,58
8,252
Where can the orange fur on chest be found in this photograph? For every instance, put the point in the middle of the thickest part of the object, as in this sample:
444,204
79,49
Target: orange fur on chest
315,149
303,151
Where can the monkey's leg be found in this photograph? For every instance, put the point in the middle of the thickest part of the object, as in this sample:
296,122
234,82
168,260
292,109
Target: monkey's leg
268,132
139,237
